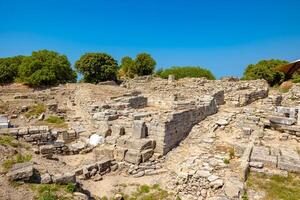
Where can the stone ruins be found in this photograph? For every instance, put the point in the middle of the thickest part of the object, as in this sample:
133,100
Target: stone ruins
198,138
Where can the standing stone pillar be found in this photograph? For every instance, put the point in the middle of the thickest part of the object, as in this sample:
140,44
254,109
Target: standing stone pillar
171,78
139,129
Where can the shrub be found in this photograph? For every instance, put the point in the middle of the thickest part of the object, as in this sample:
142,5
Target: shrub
188,71
97,67
266,69
296,78
46,68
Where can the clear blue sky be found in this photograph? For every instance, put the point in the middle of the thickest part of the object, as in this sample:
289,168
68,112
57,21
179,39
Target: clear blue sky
223,36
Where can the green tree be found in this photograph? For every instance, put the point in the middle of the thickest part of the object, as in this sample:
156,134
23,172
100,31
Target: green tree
97,67
186,71
144,64
46,68
127,66
9,68
265,69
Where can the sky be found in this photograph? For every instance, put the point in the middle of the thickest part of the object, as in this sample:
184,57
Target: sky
223,36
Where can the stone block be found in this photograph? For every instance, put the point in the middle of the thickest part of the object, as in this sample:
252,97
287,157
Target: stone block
282,120
133,156
147,154
46,178
139,129
289,165
21,172
262,154
64,178
104,164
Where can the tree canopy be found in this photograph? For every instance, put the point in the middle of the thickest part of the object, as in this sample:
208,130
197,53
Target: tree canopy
9,68
186,71
97,67
142,65
265,69
46,67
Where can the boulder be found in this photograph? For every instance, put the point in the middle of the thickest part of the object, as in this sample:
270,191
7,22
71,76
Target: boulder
233,188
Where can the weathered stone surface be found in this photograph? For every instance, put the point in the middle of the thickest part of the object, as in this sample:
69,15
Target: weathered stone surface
119,153
64,178
21,172
133,156
139,129
282,120
46,178
147,154
233,188
262,154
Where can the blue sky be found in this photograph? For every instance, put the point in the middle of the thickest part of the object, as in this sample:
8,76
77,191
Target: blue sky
223,36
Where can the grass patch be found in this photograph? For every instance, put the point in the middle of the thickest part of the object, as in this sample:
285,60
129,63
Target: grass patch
276,187
7,140
55,120
146,192
3,107
19,158
52,191
35,110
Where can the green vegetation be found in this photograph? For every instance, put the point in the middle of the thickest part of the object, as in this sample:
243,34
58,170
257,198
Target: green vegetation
142,65
9,68
97,67
145,192
18,158
46,68
35,110
41,68
245,196
188,71
226,161
7,140
53,191
296,78
55,120
275,187
265,69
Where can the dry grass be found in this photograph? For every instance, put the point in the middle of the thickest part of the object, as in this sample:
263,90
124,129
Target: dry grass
276,187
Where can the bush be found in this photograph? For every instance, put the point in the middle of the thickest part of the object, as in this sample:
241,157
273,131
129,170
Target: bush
188,71
296,78
9,69
19,158
97,67
143,65
46,68
265,69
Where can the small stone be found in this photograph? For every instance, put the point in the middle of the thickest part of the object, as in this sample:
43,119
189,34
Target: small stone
212,178
80,196
97,177
139,174
118,197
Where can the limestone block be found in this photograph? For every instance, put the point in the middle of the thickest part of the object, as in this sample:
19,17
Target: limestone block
133,156
21,171
64,178
282,120
233,188
104,164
